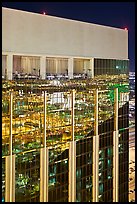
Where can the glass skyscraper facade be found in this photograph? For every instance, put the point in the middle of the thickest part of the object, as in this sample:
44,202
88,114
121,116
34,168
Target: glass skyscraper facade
66,139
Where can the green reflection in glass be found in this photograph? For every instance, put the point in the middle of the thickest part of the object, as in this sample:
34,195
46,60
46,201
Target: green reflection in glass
122,88
109,162
101,188
109,151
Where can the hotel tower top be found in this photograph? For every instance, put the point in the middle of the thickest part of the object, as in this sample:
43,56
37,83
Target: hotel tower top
36,34
65,110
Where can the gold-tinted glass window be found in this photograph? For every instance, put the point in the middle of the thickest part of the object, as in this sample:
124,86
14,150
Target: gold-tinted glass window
5,118
28,118
27,177
58,119
84,113
84,172
58,174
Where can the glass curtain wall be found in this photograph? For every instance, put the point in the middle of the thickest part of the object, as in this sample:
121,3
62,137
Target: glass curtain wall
5,118
84,125
123,124
110,66
115,74
58,120
58,174
28,118
84,113
105,129
28,134
84,172
27,177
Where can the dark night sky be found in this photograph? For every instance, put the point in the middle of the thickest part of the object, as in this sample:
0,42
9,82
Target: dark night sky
115,14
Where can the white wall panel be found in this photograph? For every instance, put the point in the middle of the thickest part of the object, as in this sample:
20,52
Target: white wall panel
25,32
